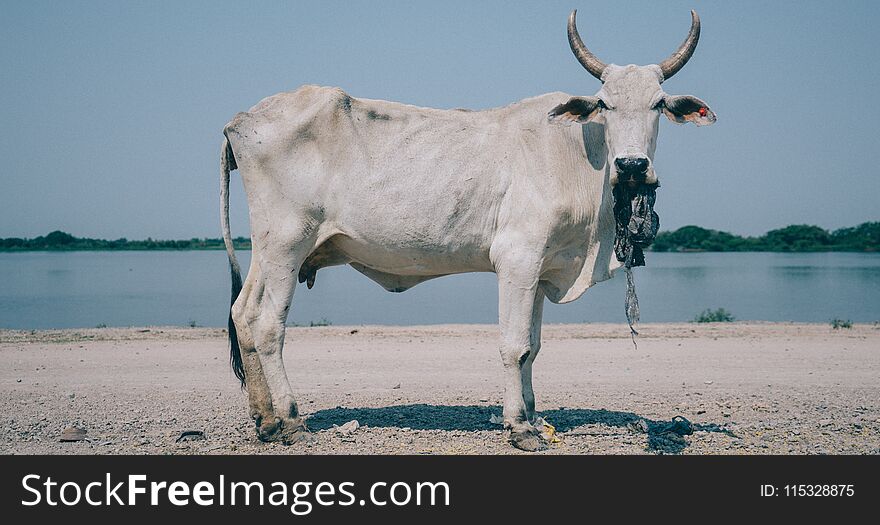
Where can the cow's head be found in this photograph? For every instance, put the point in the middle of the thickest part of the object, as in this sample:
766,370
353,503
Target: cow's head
629,105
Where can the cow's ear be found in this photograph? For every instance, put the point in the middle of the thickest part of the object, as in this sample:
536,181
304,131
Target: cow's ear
577,109
685,108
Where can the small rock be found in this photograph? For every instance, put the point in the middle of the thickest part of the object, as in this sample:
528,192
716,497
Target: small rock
353,332
707,382
71,396
190,435
396,387
72,434
640,426
349,427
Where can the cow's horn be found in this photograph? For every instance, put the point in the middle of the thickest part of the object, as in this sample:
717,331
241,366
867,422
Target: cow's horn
677,60
584,56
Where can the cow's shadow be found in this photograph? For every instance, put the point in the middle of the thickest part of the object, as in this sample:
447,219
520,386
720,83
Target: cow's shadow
663,436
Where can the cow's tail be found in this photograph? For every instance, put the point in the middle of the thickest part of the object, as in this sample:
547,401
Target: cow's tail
227,164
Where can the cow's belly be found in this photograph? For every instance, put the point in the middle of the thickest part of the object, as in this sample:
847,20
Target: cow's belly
412,256
416,218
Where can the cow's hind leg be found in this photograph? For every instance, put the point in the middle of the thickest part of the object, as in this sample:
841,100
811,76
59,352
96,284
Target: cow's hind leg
259,399
265,313
517,294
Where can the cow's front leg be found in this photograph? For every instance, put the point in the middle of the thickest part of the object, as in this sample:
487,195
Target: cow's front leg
517,293
535,347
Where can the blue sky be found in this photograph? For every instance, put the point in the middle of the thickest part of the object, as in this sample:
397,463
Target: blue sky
112,111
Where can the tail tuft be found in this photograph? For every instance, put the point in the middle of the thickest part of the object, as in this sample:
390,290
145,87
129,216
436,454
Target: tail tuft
234,348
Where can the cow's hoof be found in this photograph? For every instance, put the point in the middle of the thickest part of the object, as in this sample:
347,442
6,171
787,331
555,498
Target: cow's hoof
528,440
301,435
287,431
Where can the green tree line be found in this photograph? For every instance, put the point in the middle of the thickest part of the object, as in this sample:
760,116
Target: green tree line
796,238
62,241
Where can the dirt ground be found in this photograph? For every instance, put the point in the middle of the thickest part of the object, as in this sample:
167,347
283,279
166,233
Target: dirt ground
746,388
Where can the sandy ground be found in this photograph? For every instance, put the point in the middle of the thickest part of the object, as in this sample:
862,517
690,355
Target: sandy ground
747,388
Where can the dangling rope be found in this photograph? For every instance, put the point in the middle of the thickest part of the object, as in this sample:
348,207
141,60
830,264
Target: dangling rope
636,227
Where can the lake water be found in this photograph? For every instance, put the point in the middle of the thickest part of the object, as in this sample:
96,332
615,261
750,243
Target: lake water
86,289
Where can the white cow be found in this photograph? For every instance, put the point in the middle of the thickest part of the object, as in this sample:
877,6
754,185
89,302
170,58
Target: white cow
405,194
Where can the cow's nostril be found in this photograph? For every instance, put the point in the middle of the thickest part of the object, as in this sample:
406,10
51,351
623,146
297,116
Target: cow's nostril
631,165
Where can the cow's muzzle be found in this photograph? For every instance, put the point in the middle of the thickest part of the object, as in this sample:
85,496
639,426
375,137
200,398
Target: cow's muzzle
633,170
632,166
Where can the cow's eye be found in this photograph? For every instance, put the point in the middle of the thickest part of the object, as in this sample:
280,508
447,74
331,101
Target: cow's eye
602,104
658,105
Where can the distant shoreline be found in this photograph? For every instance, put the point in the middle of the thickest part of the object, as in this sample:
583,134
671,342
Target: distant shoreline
864,238
59,241
238,246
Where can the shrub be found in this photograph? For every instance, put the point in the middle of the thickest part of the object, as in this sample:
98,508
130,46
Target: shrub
840,323
719,315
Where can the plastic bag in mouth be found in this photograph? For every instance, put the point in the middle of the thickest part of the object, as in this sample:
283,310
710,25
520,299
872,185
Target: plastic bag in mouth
636,222
636,226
